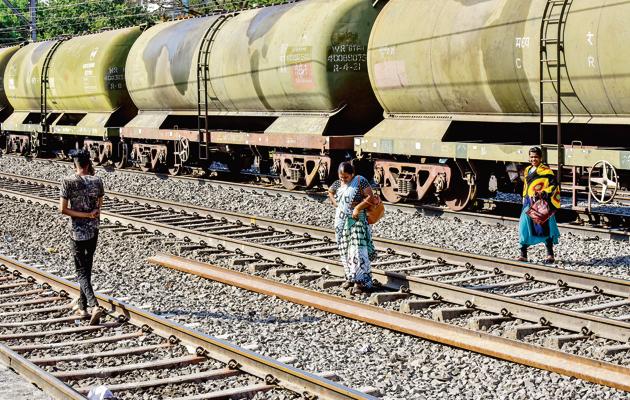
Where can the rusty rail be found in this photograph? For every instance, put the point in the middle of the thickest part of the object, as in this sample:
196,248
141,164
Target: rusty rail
278,373
506,349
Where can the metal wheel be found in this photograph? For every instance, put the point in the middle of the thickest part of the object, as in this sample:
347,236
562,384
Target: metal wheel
603,184
460,194
121,163
286,182
123,156
175,170
390,190
145,166
102,157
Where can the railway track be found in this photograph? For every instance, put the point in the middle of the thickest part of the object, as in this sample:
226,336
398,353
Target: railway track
446,285
134,353
505,348
596,225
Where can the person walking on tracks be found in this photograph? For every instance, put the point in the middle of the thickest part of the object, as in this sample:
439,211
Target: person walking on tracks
539,227
81,198
352,194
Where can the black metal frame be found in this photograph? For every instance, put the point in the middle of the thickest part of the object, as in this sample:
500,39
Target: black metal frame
203,83
43,88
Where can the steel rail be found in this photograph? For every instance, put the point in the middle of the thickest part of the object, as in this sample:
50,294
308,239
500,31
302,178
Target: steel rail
40,378
530,311
608,374
421,209
573,279
278,373
544,273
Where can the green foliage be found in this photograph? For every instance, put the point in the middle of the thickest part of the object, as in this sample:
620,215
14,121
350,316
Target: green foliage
72,17
208,6
67,17
11,27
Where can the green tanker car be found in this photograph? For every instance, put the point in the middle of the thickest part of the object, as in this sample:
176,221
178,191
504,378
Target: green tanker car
480,82
280,79
286,92
70,93
5,54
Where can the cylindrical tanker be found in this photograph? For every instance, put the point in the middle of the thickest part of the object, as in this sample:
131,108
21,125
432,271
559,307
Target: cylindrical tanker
23,75
86,100
94,80
86,73
482,57
306,56
161,70
5,54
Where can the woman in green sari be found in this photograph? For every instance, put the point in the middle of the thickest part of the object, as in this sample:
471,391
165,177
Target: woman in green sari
351,194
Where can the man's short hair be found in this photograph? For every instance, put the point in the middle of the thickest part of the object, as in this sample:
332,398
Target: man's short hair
81,157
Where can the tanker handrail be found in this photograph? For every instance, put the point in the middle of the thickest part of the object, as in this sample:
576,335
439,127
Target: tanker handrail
43,105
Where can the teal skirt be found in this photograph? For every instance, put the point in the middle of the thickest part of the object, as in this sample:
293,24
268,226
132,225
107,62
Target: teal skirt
531,233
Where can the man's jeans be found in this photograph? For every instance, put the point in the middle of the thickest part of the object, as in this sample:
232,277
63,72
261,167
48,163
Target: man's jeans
83,258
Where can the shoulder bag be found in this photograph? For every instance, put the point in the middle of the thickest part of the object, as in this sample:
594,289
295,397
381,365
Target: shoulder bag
540,211
375,210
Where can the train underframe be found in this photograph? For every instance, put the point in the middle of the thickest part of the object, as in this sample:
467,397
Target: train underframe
452,183
40,145
291,168
457,183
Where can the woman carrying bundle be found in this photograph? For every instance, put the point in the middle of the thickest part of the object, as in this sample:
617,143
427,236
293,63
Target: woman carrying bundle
540,185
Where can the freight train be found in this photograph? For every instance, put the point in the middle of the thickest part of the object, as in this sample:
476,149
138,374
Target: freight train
431,98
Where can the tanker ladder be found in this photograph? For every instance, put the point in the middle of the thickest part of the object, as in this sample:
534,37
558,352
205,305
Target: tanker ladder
203,72
552,72
39,140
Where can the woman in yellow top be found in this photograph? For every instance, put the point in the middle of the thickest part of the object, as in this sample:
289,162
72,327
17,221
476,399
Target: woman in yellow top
540,182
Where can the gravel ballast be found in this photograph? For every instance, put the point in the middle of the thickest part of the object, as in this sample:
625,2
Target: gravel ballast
604,257
401,367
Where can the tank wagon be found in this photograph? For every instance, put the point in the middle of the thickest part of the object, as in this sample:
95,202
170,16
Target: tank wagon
69,93
5,54
291,90
470,89
283,88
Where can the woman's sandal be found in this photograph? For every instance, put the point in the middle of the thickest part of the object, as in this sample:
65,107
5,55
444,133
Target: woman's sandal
521,259
81,313
360,289
357,289
550,260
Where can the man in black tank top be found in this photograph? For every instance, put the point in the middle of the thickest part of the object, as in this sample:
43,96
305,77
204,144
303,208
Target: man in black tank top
81,198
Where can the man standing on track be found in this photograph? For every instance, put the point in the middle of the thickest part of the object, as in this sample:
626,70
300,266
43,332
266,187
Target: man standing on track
81,198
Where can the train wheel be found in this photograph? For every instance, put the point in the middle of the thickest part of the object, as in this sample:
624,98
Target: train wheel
460,194
390,191
145,167
123,156
175,170
121,164
37,152
102,158
286,182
